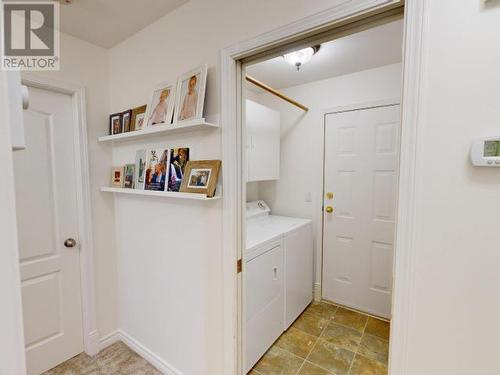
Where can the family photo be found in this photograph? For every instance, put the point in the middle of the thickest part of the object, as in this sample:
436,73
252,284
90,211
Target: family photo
156,167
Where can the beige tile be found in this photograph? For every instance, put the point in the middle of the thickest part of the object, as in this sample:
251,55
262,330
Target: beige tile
296,342
378,328
365,366
331,357
311,323
375,348
324,310
278,362
253,372
310,369
115,359
350,319
342,336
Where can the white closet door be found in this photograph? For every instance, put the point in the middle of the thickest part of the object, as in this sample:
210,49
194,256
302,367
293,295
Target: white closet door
46,206
361,170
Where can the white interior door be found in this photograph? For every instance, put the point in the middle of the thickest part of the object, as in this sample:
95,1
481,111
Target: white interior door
361,170
45,181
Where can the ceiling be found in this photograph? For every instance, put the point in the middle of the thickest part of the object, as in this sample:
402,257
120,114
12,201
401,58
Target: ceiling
108,22
367,49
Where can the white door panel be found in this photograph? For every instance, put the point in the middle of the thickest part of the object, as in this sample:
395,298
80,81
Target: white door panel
361,170
46,205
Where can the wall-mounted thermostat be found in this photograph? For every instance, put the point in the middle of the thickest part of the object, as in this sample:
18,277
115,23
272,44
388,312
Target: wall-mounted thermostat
486,152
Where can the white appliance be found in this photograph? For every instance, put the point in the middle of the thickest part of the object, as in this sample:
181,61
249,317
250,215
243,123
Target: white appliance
485,152
278,276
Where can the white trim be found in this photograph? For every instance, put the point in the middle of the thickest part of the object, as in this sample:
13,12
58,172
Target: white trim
362,105
317,291
140,349
77,93
404,245
231,152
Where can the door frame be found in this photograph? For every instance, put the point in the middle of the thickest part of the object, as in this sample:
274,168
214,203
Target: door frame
84,214
388,102
233,208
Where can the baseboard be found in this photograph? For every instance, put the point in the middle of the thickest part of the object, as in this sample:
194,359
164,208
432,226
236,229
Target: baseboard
110,339
317,292
140,349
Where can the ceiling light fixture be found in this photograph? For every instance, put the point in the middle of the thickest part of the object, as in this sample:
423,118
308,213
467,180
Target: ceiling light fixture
300,57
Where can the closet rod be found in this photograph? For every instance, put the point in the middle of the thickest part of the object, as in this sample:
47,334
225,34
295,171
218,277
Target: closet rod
276,92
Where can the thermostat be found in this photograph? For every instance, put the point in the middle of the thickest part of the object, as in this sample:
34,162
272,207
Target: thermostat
486,152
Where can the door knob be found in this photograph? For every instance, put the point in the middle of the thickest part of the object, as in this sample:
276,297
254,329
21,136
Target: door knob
329,209
70,242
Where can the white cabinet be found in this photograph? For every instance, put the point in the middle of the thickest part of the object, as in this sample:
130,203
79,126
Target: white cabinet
263,142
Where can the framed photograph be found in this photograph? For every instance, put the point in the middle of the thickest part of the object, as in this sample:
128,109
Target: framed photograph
117,177
161,107
138,115
140,168
155,175
129,176
201,177
125,119
190,96
178,160
115,124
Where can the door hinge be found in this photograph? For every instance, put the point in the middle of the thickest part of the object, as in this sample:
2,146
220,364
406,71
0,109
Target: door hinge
238,266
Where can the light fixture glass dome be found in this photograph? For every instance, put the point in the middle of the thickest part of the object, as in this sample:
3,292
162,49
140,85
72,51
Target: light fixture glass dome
300,57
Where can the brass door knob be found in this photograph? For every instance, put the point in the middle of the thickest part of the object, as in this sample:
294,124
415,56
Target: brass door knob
329,209
70,242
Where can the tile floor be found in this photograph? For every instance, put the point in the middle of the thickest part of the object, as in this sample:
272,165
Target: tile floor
116,359
329,340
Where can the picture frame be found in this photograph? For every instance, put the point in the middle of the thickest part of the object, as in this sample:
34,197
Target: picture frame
125,120
155,174
161,106
140,168
176,167
129,176
117,176
138,117
201,177
190,97
115,123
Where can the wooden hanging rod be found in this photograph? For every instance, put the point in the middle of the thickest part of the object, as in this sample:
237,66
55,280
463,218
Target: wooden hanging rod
276,92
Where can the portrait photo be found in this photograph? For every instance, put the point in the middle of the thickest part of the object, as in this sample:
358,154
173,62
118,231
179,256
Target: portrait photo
117,176
178,160
200,177
126,120
115,124
137,120
155,175
190,95
161,107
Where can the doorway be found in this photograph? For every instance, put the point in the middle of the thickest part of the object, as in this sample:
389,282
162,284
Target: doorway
53,216
305,197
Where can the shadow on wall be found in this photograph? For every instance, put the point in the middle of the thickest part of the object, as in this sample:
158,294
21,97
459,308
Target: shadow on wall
294,124
488,4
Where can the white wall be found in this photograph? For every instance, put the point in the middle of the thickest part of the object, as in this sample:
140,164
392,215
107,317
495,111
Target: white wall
455,327
170,252
302,140
84,64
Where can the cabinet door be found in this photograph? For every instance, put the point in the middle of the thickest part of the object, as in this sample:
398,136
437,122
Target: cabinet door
264,303
263,142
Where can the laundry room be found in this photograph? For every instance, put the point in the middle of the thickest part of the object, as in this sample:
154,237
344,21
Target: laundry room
321,159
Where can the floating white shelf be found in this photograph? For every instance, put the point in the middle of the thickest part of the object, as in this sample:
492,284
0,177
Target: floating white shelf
197,124
165,194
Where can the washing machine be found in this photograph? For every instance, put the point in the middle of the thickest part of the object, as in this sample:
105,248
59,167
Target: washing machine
278,276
